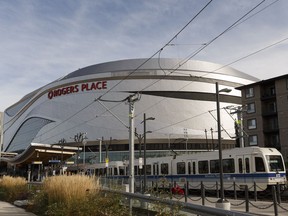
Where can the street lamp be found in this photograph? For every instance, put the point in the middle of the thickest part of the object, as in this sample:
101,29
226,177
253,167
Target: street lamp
140,138
84,142
144,121
61,142
221,203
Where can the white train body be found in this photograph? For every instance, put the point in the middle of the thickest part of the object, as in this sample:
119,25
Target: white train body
241,166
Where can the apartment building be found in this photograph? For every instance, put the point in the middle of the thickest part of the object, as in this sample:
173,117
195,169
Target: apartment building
1,130
265,119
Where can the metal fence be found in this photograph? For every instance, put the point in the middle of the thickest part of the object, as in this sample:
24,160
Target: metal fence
172,193
150,203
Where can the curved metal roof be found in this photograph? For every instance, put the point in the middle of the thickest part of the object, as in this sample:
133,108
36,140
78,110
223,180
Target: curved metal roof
155,63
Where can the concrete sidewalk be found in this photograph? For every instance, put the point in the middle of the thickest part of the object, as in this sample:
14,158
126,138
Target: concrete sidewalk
7,209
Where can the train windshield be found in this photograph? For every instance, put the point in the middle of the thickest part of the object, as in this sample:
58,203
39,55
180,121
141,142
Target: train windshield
275,163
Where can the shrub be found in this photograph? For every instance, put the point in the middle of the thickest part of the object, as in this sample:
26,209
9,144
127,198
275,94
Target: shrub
13,188
75,195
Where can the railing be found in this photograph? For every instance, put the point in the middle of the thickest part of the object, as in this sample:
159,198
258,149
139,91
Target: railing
164,190
184,207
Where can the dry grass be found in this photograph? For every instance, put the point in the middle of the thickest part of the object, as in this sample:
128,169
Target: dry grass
9,181
69,189
13,188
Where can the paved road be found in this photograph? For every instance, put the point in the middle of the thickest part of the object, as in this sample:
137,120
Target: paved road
7,209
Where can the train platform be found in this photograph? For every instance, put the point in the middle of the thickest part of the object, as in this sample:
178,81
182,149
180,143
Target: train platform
7,209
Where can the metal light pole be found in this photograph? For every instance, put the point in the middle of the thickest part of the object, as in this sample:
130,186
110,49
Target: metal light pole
145,175
131,100
84,141
100,149
221,203
61,142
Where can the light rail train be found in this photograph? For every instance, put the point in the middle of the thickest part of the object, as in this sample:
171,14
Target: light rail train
241,166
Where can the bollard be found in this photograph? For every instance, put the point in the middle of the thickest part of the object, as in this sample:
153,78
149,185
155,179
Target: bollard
278,193
255,192
235,191
185,192
217,189
275,201
171,194
246,198
157,191
203,193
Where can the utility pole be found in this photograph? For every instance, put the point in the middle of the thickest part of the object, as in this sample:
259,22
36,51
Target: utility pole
131,100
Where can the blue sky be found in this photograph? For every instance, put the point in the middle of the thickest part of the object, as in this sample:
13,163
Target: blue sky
42,40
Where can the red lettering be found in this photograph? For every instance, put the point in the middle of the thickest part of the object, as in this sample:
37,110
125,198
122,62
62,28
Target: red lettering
75,89
50,95
84,86
104,84
93,86
98,86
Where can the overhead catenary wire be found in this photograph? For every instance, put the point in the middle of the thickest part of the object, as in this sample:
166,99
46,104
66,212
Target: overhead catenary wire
134,71
237,22
167,44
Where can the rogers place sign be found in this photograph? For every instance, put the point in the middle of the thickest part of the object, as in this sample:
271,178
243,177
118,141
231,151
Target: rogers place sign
84,87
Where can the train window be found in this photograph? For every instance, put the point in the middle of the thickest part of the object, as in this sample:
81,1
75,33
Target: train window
121,170
164,168
203,167
135,170
148,169
275,163
214,166
194,167
115,171
259,164
97,171
228,165
189,168
247,165
181,168
155,169
110,171
240,165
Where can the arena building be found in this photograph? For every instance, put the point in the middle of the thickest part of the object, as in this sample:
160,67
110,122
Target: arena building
90,104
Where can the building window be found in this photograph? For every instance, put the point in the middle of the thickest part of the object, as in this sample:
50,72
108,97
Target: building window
272,90
251,124
249,92
251,108
272,107
253,140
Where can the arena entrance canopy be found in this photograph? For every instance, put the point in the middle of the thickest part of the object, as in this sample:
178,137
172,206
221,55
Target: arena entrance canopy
38,152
